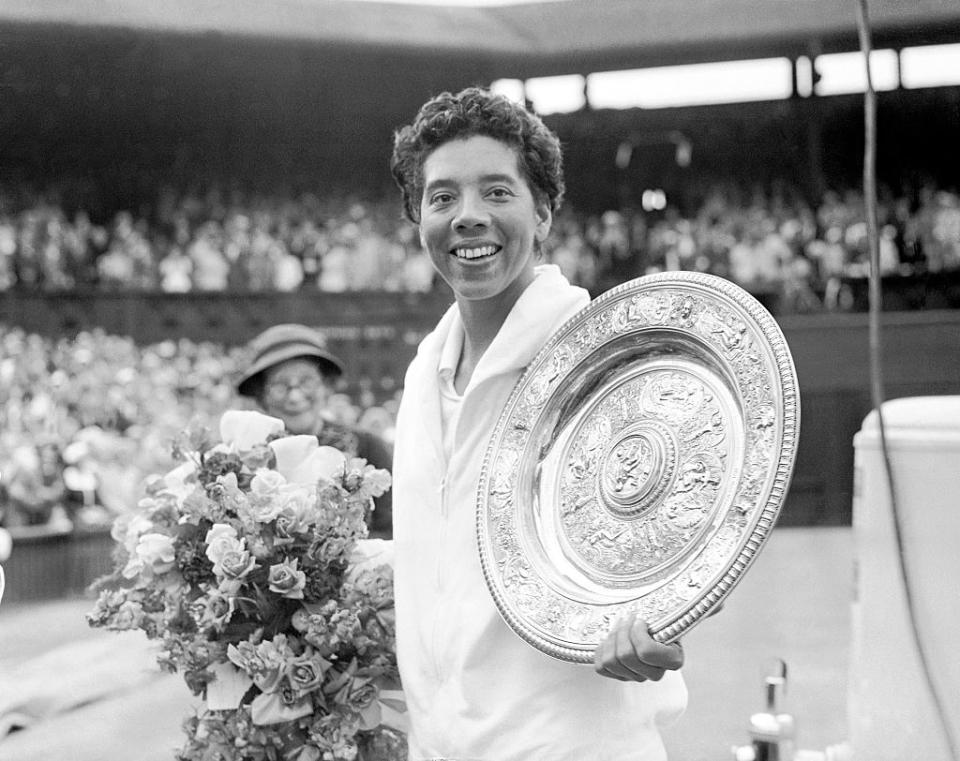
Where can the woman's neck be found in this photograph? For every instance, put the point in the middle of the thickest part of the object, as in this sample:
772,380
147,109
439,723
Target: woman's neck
482,321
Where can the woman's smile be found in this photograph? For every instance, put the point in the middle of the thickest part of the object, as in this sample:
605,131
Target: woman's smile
475,251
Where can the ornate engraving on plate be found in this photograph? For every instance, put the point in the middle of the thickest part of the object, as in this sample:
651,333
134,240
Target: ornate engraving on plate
631,469
632,491
651,480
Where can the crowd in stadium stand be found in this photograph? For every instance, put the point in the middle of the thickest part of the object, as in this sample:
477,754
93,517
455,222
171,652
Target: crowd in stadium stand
211,242
214,240
77,440
766,242
84,421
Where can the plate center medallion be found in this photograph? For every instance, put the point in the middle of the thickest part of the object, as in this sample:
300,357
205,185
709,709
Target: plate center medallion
636,469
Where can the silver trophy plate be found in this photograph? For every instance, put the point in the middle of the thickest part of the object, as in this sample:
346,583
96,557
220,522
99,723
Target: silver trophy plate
639,464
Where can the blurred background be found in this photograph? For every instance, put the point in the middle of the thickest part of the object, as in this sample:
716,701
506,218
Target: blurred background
175,177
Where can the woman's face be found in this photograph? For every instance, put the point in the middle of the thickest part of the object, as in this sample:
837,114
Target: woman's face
480,221
295,391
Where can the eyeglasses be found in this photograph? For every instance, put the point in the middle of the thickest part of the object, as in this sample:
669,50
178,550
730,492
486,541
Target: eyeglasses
278,389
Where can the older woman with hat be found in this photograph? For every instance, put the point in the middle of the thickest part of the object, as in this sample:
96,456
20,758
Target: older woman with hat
290,374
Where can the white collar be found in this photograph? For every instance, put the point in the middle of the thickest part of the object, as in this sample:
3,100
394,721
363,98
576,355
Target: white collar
451,350
546,302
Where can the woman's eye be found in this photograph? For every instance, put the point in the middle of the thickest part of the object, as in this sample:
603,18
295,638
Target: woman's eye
439,199
500,193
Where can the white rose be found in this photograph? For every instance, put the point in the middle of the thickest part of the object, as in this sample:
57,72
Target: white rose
128,528
243,429
221,539
266,482
324,463
179,481
302,460
263,509
290,451
369,554
298,500
156,551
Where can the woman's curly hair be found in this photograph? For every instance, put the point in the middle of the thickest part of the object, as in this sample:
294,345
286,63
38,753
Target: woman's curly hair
476,111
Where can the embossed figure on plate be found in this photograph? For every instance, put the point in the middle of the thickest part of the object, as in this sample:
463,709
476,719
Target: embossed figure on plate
642,472
628,468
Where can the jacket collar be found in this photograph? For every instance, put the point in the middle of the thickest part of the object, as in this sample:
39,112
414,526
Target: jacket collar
547,301
530,323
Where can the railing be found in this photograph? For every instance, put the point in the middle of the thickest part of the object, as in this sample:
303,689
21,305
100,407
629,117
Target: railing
50,563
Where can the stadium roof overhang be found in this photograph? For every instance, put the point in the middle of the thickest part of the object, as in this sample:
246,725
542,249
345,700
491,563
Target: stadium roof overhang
125,89
522,40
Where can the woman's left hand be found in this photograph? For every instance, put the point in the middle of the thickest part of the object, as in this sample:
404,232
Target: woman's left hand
630,654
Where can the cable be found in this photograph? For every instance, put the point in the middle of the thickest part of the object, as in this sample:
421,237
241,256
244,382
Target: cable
876,369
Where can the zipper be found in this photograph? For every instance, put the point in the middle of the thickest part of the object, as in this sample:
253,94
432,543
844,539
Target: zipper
441,534
443,496
441,550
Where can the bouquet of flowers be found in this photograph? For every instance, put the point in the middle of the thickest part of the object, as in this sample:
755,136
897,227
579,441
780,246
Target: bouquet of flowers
249,563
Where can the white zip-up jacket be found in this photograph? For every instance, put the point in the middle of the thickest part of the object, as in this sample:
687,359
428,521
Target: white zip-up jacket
474,689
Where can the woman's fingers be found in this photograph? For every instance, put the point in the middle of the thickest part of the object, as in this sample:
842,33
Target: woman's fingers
628,652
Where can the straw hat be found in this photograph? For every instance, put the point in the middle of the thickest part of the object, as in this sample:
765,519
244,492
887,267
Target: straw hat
280,343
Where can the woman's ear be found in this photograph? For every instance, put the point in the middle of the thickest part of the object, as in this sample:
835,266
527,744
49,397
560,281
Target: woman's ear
544,219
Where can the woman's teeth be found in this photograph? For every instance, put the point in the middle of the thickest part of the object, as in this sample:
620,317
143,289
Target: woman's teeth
475,253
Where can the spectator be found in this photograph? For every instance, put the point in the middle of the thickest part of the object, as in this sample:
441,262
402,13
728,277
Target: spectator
176,269
291,374
210,266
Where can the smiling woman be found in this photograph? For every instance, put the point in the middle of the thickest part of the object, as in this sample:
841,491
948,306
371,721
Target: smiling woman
482,177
